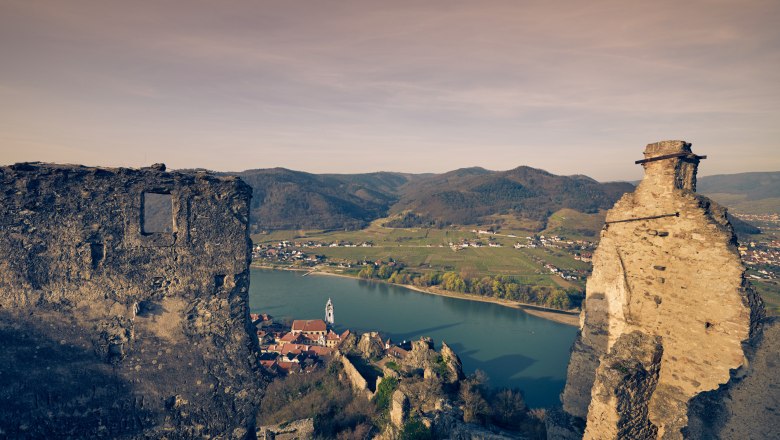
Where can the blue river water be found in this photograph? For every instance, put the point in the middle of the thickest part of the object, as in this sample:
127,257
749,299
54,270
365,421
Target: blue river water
514,349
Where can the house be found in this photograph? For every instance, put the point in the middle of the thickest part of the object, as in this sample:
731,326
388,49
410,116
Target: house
291,338
397,352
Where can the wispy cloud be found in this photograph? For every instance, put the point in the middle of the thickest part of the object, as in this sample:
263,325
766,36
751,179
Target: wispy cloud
438,83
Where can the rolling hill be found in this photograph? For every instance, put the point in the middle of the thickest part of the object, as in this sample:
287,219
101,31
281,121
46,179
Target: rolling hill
749,193
287,199
472,195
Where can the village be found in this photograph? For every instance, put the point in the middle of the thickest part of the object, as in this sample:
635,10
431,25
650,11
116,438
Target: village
761,253
411,382
763,258
306,345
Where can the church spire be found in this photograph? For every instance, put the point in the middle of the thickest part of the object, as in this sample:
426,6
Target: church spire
329,312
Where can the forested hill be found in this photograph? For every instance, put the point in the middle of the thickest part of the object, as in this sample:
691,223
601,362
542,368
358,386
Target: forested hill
471,195
286,199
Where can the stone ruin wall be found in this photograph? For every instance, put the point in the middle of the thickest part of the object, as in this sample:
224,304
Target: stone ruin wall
112,331
668,312
358,382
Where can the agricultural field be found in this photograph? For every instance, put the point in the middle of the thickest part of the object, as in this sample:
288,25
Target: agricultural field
428,250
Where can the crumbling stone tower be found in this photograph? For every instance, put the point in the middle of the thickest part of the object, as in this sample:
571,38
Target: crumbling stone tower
668,314
123,304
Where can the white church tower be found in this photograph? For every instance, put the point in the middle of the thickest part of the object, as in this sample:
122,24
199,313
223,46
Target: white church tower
329,312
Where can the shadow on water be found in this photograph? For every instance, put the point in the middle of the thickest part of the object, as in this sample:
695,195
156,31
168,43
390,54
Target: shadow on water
52,389
425,331
510,367
507,366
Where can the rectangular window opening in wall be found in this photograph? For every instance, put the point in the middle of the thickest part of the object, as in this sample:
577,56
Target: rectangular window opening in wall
219,282
97,252
156,213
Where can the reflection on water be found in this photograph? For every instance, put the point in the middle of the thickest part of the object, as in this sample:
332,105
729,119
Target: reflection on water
515,349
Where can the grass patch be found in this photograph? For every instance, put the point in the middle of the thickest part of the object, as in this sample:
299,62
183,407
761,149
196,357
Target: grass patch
770,292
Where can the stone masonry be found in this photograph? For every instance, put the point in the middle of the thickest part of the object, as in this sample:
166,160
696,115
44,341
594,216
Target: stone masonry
668,314
123,304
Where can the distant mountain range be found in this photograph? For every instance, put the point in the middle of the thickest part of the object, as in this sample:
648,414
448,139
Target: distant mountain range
287,199
749,193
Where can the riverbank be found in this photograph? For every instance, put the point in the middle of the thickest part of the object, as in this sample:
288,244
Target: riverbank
560,316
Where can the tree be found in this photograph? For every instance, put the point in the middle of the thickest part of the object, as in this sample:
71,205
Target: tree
453,282
414,429
367,272
508,408
558,300
472,393
385,271
498,289
384,394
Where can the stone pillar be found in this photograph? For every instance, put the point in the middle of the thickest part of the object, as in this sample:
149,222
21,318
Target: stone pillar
399,410
666,269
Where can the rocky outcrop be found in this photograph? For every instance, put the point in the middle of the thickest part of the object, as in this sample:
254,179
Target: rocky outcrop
422,355
298,430
123,304
453,363
626,378
448,423
370,345
668,312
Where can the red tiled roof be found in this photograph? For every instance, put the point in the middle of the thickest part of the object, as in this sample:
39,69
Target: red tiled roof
293,348
322,351
309,325
288,366
288,338
310,338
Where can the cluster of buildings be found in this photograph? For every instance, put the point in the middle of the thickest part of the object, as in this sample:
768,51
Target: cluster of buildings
763,258
284,252
307,344
465,243
302,347
762,255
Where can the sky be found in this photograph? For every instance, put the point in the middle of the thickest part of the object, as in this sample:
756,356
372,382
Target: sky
573,87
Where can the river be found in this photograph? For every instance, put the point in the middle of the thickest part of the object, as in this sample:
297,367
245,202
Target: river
514,349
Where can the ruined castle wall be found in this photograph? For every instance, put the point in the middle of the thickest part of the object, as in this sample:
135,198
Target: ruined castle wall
123,304
667,267
358,382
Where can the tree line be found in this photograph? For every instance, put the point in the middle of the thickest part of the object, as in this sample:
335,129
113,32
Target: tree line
499,286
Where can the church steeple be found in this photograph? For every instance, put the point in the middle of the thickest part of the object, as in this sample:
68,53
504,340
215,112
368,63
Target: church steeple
329,312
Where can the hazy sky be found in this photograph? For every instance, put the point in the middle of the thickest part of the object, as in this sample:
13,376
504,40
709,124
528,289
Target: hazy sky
573,87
